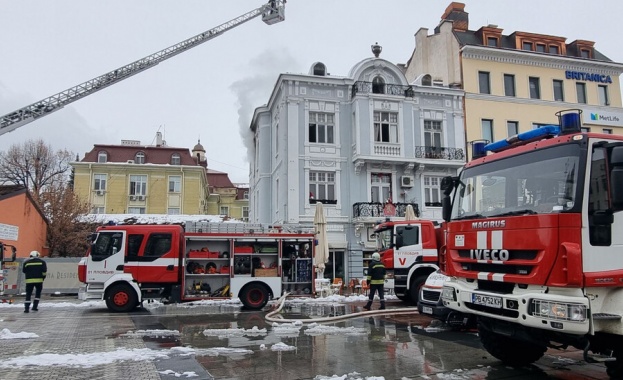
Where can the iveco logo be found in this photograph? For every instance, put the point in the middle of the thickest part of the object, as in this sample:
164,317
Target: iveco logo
489,224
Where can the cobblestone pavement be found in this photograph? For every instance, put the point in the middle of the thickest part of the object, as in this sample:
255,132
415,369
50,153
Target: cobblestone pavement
397,347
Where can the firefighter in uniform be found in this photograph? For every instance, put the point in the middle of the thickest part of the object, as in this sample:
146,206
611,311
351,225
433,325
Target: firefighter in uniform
376,279
35,271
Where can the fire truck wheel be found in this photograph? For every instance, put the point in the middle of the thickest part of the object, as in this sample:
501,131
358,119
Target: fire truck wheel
615,369
121,298
254,296
512,352
416,286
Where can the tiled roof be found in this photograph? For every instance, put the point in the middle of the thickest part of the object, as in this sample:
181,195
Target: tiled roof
153,154
219,179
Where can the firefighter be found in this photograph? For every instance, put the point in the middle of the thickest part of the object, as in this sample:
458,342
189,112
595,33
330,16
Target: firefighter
376,279
35,271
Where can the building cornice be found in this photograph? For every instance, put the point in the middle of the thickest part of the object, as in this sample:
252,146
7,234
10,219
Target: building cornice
519,57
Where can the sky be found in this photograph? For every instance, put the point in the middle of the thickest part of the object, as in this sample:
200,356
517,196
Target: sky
209,93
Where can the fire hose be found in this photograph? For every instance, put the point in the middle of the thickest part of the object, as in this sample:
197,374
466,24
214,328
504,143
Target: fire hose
281,301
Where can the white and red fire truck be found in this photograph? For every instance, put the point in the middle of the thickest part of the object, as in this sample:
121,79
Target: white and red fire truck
535,244
408,250
127,264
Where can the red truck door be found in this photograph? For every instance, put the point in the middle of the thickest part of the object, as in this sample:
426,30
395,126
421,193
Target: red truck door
153,257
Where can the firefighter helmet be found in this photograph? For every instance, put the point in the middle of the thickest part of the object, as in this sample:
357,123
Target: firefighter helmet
376,256
35,254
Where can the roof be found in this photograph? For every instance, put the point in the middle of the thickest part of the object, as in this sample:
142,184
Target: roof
219,179
153,154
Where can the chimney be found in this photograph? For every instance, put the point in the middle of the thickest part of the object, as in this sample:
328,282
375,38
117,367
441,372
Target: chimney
158,139
455,12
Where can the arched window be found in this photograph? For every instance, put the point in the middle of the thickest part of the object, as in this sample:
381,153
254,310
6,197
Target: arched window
427,80
378,85
320,69
175,159
102,157
139,158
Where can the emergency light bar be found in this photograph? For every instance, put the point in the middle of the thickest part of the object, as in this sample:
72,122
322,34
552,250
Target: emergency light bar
569,122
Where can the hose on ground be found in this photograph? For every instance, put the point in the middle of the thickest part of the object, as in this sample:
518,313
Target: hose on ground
281,301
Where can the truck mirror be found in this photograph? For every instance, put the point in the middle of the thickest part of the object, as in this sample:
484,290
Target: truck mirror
446,208
616,177
602,218
13,253
447,184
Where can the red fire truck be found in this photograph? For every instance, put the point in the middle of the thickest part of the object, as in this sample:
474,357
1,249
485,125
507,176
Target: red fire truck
408,250
127,264
535,243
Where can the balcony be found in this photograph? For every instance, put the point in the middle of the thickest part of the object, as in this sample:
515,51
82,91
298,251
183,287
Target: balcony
439,153
378,209
386,89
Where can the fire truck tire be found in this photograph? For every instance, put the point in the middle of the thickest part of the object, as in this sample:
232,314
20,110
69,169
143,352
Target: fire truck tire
416,286
254,296
121,298
512,352
615,369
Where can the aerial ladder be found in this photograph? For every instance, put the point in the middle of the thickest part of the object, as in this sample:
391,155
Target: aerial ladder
271,12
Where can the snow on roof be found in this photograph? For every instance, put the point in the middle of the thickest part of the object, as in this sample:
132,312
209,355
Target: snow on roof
156,218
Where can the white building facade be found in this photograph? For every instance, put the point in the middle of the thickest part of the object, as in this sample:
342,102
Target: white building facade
356,143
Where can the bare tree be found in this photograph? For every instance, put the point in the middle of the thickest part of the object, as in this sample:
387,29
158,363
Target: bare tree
67,233
33,165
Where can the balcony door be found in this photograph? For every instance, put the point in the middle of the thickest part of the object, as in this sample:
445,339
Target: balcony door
380,187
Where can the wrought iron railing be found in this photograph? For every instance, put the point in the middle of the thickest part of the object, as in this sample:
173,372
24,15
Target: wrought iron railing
439,153
378,209
387,89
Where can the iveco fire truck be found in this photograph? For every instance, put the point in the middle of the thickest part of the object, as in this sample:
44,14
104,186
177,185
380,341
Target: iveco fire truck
408,250
535,243
127,264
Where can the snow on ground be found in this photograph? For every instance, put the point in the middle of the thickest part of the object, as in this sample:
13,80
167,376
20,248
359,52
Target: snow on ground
7,334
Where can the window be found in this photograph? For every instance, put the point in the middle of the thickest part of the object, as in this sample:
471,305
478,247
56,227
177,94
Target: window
175,159
97,210
487,129
322,187
527,46
432,136
580,89
321,128
585,53
492,41
432,191
245,213
535,88
173,211
139,158
512,128
385,127
134,244
138,184
136,210
554,49
102,157
607,131
540,48
378,85
277,139
483,82
245,195
320,69
158,245
509,85
603,95
175,184
224,210
99,182
558,91
381,187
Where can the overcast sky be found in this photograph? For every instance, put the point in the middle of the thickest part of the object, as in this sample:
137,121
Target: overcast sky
209,93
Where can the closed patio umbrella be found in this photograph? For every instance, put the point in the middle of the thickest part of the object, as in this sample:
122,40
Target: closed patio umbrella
322,244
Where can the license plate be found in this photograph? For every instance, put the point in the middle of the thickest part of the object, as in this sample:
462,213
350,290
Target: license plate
480,299
427,310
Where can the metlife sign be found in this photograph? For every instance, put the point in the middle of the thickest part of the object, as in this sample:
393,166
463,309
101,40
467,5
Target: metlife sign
614,119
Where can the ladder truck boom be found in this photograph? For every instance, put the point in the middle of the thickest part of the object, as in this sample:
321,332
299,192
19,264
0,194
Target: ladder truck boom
271,12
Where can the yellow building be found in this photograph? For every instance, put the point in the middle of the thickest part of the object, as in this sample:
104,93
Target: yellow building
136,179
516,82
226,199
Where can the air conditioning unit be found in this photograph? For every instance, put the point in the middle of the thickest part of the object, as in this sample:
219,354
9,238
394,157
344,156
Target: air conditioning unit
406,181
130,161
132,197
141,197
99,192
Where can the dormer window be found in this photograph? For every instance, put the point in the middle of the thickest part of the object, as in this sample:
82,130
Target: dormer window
378,85
585,53
492,41
175,159
320,69
102,157
139,158
427,80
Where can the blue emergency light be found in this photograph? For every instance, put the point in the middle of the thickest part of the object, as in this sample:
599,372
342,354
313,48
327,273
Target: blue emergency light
478,148
570,121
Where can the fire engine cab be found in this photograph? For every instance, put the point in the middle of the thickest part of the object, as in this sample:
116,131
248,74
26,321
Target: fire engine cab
535,244
127,264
